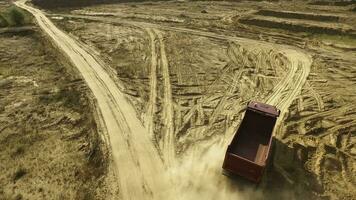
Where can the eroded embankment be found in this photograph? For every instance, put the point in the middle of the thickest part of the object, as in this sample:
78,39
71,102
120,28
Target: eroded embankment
298,15
333,3
298,27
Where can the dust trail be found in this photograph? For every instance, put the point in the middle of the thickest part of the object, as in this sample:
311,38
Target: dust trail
198,176
199,171
203,162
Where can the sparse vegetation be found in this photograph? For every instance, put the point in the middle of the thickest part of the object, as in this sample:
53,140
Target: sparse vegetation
19,151
14,16
17,16
18,197
20,172
46,124
3,22
68,96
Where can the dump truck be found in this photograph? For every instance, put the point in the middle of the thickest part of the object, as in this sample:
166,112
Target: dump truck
249,151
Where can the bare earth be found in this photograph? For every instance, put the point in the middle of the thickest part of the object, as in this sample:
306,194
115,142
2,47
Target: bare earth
171,81
49,144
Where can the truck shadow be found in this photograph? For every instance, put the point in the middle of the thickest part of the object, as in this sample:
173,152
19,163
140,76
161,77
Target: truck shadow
284,178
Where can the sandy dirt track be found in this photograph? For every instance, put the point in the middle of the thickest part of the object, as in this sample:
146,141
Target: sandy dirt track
153,85
284,92
140,174
183,72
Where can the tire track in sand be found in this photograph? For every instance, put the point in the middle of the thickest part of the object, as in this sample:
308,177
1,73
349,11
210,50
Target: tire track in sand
168,113
283,93
293,55
232,53
152,103
138,165
291,85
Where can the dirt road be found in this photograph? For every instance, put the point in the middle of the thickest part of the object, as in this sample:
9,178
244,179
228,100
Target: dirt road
138,164
139,167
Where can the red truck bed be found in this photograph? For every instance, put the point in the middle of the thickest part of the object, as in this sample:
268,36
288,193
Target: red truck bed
247,155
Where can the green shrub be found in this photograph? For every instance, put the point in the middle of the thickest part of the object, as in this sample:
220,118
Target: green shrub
3,22
18,197
20,172
68,96
16,17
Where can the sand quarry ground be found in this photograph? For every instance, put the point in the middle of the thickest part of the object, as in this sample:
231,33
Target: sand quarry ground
140,100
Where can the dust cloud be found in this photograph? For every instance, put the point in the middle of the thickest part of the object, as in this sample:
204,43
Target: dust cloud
198,175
